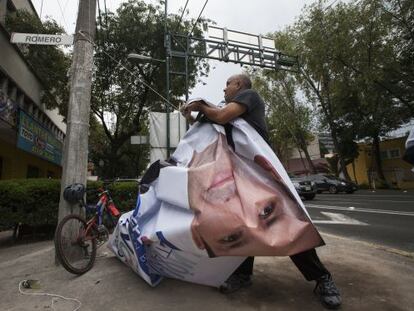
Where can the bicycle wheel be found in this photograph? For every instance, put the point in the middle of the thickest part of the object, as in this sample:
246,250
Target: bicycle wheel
75,248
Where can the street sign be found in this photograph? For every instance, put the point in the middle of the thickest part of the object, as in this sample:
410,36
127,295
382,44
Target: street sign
41,39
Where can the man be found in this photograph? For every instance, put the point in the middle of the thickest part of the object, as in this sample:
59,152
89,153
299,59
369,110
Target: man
243,102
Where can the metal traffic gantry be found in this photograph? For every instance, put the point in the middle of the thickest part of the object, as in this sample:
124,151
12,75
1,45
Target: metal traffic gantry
222,45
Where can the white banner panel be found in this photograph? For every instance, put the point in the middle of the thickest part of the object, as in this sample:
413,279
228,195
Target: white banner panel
158,133
139,140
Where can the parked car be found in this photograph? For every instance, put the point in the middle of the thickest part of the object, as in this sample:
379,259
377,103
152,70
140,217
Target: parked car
332,184
305,188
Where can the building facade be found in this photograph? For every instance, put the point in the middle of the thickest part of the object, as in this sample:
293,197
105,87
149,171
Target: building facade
31,136
397,172
297,163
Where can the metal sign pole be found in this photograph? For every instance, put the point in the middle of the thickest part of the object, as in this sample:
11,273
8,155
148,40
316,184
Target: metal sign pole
167,70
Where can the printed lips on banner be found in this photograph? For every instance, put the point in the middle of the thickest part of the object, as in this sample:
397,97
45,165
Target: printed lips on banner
218,201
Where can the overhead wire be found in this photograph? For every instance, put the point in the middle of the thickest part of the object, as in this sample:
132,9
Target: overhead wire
119,61
131,72
66,4
198,18
332,3
182,14
106,14
63,15
41,10
99,13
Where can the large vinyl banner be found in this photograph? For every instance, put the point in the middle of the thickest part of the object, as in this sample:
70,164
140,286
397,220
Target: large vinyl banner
228,197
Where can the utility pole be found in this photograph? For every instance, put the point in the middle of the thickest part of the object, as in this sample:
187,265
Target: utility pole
75,157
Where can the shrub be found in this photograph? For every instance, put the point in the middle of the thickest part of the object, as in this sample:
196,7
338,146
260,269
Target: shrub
36,201
124,194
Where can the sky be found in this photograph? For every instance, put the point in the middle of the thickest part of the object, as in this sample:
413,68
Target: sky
256,17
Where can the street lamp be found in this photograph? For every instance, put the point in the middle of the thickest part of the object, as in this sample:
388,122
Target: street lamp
144,58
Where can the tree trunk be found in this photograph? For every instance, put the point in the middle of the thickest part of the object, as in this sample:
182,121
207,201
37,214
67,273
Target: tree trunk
353,169
304,148
113,170
301,159
309,160
377,159
328,115
336,146
343,168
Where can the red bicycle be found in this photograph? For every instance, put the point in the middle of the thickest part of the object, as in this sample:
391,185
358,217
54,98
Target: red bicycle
76,238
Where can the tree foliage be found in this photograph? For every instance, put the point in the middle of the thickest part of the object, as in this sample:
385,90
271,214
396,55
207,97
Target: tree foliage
49,62
356,67
401,17
349,64
289,118
124,90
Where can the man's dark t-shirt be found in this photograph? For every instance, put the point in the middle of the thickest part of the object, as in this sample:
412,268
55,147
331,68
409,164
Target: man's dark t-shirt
255,113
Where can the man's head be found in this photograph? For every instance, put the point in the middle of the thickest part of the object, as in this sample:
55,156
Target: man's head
235,84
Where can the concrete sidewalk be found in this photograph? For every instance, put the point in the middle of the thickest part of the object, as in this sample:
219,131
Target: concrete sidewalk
369,277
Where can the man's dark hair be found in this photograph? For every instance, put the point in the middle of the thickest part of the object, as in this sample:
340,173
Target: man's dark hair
245,81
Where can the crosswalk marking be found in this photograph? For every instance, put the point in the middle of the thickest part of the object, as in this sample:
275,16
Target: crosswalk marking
362,210
339,219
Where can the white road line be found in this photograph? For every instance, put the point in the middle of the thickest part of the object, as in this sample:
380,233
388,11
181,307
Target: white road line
338,219
363,210
339,201
378,194
371,200
402,196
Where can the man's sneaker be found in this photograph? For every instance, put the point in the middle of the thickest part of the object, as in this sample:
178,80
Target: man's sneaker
235,282
328,292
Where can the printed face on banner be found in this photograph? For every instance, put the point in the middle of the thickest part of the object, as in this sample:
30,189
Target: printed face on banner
243,207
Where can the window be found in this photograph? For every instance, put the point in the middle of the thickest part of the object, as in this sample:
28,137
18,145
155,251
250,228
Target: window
390,154
32,172
35,113
394,153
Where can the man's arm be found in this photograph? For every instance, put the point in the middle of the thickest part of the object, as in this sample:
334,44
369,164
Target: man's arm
219,115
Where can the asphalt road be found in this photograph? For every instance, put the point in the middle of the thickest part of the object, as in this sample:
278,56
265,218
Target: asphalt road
382,217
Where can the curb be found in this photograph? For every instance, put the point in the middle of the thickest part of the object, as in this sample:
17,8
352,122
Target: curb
391,250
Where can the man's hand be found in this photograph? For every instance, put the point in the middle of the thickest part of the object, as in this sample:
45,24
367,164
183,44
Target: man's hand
194,106
185,112
187,109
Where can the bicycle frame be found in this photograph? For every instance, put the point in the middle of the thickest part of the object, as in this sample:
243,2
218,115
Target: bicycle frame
105,203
